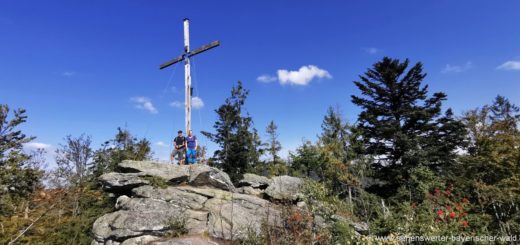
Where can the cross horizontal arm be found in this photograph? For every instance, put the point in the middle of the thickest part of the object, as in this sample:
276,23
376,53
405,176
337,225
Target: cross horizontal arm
171,62
204,48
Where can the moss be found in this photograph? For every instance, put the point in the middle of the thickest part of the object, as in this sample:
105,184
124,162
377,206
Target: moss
156,181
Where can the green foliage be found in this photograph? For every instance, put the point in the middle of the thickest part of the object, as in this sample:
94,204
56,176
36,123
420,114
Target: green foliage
156,181
19,175
240,145
73,160
123,147
422,180
401,125
490,172
343,233
273,145
336,135
177,227
75,226
442,212
308,161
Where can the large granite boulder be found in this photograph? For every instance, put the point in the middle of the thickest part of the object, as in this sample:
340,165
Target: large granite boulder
153,211
285,188
197,175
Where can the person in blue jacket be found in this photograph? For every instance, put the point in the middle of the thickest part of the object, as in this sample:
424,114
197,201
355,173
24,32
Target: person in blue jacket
191,151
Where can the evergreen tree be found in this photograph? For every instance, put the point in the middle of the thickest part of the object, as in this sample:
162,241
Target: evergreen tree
274,145
308,161
239,143
401,125
335,135
19,177
335,142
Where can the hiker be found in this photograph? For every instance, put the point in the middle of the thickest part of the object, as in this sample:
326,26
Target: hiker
179,149
191,152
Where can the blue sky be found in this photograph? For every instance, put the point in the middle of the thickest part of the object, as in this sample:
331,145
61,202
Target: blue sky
92,66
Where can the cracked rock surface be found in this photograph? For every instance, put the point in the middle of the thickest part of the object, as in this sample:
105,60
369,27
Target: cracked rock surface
200,198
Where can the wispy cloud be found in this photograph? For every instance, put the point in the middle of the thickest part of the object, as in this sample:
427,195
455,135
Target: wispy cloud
68,73
511,65
144,103
196,103
303,76
161,144
457,68
266,78
177,104
37,145
372,50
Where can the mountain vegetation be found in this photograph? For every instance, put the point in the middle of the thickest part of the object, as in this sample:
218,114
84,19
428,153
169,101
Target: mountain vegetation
406,167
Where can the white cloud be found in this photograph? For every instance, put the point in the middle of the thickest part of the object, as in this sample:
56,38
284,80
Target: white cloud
161,144
144,103
266,78
37,145
457,68
372,50
196,103
511,65
68,73
303,76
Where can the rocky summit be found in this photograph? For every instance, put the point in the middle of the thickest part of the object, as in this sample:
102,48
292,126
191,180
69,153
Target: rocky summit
156,200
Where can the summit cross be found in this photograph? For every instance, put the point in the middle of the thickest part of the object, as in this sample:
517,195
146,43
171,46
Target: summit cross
187,77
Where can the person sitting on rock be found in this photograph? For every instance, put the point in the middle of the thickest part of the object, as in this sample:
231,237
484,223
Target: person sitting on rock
179,149
191,152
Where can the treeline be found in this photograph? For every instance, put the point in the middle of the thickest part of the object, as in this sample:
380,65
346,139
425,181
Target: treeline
56,206
406,166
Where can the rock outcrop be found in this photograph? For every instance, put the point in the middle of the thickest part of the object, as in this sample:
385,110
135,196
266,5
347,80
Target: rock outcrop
158,201
195,198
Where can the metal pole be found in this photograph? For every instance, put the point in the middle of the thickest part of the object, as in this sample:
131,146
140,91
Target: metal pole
187,76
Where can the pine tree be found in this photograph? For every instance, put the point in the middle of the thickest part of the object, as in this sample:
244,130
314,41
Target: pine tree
308,161
238,141
274,145
400,125
335,135
19,176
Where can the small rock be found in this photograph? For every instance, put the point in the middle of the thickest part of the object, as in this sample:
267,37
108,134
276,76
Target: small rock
120,182
360,227
255,181
250,190
121,201
141,240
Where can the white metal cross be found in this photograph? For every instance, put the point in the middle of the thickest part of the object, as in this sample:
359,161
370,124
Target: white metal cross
187,77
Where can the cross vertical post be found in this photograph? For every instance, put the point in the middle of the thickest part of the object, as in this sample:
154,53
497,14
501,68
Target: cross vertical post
187,54
187,75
